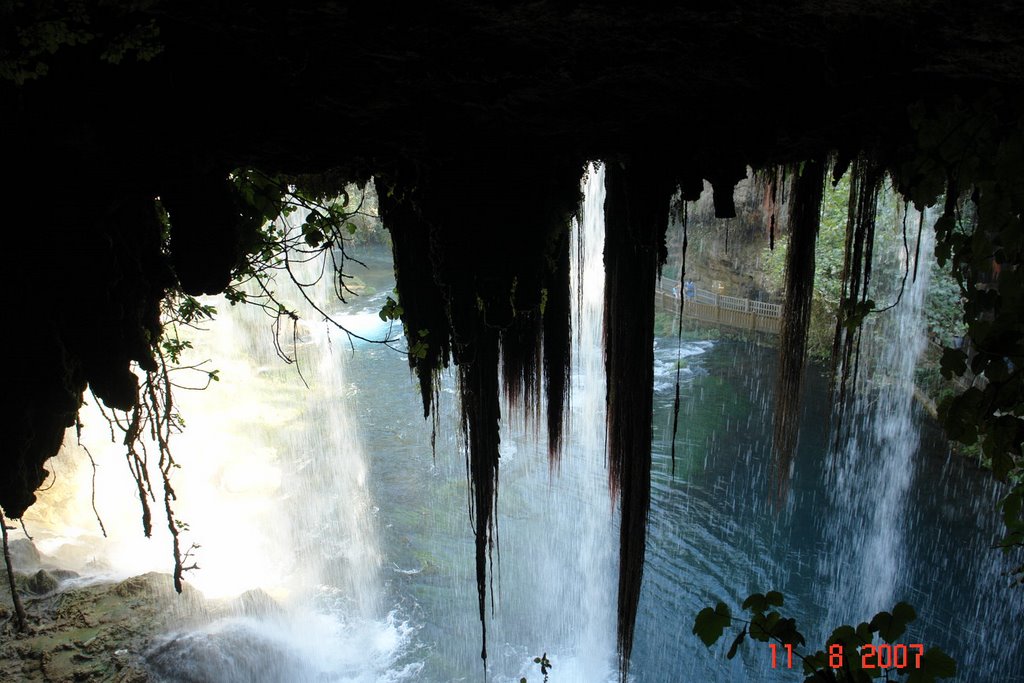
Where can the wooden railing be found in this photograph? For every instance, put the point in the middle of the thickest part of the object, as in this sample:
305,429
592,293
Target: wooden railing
721,309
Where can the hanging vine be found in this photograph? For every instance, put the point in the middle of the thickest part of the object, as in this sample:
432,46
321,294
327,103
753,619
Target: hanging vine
808,187
147,429
854,301
282,244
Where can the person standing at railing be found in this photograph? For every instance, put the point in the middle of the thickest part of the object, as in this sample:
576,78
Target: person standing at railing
691,290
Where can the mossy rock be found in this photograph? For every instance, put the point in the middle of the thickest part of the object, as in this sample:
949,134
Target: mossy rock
144,585
29,584
41,583
94,632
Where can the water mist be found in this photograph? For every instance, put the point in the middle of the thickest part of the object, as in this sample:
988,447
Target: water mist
273,484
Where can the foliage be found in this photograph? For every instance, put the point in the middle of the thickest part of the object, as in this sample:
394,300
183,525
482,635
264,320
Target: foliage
36,30
664,323
828,268
850,654
154,421
892,253
334,219
1013,518
944,307
895,251
974,153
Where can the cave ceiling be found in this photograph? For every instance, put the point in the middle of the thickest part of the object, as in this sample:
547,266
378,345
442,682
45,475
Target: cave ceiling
362,86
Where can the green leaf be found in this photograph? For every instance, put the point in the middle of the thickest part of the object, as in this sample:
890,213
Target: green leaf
761,626
954,362
815,662
419,350
888,626
710,623
391,310
785,630
904,612
845,634
314,238
774,598
756,603
1002,462
1012,505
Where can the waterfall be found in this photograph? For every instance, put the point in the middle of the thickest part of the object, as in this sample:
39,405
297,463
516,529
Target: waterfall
872,469
280,483
557,580
317,512
582,571
588,426
277,484
907,520
273,485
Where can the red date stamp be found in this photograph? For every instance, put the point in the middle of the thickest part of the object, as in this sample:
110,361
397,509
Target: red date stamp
881,656
789,655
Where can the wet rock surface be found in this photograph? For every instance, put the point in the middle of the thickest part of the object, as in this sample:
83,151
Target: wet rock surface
80,631
232,652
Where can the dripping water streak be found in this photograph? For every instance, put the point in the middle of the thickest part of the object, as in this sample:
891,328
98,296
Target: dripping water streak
874,465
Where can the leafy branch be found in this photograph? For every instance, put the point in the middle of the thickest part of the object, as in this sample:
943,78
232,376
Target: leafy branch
280,244
38,30
847,652
284,245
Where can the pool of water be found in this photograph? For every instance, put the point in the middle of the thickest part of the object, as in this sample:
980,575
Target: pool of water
715,534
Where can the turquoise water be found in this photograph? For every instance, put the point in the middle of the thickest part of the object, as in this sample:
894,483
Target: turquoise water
389,594
335,491
714,534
